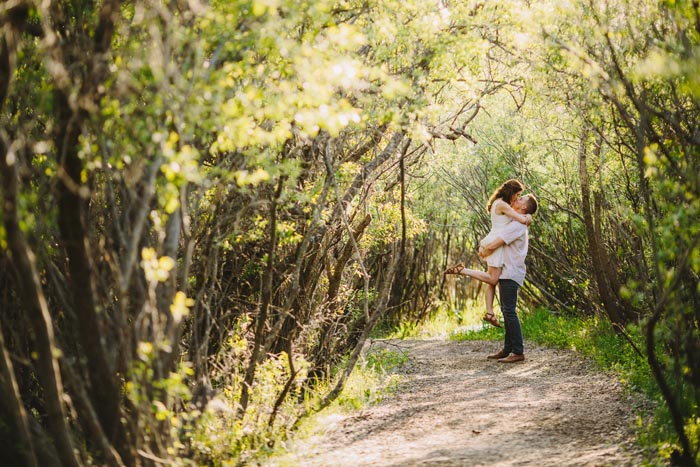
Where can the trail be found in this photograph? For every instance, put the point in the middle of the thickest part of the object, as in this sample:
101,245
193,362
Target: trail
456,408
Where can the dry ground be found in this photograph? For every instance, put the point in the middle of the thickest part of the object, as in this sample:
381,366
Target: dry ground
455,408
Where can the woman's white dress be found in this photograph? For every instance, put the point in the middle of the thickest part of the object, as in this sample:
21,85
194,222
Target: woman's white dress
498,222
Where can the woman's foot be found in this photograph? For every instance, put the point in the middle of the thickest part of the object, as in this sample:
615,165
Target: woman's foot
456,269
490,318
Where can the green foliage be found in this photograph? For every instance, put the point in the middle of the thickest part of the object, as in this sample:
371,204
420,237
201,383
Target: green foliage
224,437
373,379
404,330
220,438
485,333
157,402
444,320
384,360
592,337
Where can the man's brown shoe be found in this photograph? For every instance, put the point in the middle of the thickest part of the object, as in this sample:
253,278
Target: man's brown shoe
512,358
500,354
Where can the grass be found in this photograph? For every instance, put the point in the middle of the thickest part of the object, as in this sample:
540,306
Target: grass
372,380
445,321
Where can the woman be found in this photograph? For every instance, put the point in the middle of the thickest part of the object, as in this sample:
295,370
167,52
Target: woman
499,206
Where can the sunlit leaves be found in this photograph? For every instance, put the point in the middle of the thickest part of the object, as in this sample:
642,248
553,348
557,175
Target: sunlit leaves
244,177
156,269
181,306
281,78
182,161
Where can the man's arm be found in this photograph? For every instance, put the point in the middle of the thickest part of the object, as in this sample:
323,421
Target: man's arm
508,235
487,248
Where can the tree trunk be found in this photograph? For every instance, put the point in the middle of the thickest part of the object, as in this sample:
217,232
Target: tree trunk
12,408
265,300
598,256
73,196
72,205
32,296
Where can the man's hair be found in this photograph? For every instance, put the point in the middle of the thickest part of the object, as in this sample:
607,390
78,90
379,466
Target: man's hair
530,203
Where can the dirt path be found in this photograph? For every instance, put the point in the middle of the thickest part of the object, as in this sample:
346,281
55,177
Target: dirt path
455,408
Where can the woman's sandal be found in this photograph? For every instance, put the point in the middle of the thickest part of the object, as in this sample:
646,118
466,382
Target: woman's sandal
491,319
456,269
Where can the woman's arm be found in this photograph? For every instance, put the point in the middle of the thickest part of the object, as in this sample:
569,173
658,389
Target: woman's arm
504,208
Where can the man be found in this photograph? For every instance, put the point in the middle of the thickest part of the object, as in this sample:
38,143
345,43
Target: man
514,240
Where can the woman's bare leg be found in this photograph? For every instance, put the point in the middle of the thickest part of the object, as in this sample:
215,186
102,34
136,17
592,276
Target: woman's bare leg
490,294
490,277
490,316
494,273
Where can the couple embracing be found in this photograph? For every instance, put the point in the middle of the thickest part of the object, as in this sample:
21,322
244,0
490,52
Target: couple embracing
504,249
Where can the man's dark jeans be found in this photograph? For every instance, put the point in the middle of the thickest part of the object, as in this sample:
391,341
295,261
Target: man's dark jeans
508,290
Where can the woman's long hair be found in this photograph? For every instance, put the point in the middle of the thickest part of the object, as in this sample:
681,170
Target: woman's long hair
505,192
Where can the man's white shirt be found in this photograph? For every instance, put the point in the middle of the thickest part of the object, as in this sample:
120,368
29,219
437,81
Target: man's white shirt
514,251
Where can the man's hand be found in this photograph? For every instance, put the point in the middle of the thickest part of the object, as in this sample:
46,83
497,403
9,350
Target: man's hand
485,252
488,248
